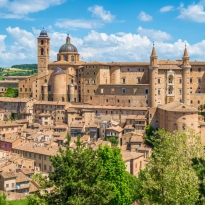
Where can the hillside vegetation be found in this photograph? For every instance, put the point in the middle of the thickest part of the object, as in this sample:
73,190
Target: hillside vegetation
19,70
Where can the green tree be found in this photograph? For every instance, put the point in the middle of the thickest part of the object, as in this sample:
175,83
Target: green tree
11,92
124,185
201,108
113,140
85,176
3,198
149,130
169,177
199,167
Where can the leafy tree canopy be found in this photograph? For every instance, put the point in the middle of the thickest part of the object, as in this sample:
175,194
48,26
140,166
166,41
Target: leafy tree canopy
86,176
11,92
25,66
169,177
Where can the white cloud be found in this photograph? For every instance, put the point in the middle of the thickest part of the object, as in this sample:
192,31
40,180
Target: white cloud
22,38
97,46
144,16
166,9
2,44
21,8
3,2
78,23
156,35
99,12
194,12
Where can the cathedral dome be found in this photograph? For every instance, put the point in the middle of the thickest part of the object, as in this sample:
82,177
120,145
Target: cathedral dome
43,33
68,47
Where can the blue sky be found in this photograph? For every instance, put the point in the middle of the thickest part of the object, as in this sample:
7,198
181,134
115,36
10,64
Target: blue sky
103,30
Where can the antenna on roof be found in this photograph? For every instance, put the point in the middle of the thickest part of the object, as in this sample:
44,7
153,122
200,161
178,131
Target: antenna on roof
43,27
153,43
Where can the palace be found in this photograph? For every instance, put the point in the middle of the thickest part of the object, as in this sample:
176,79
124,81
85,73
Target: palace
157,89
134,84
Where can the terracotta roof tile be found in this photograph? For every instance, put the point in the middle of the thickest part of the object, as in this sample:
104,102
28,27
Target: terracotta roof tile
20,177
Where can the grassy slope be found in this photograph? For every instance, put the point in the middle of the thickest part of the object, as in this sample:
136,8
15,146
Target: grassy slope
18,202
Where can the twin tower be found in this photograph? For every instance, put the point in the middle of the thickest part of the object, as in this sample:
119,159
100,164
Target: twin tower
153,74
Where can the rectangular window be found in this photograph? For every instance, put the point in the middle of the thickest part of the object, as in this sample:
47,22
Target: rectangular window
180,80
199,80
39,156
191,80
180,91
34,155
135,91
123,90
123,80
146,91
50,168
138,80
159,91
199,69
44,157
101,90
158,80
49,88
44,167
112,90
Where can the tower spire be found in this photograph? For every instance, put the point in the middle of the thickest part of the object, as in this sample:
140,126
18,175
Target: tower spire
185,51
154,53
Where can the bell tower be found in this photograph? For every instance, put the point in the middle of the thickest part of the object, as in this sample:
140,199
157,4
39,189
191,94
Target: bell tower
43,53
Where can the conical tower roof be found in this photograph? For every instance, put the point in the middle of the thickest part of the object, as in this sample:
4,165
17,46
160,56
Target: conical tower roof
186,52
154,53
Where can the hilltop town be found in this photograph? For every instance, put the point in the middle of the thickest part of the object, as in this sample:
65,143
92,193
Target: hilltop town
107,103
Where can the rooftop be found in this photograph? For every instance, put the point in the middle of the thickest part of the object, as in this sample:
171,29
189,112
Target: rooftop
35,148
128,155
177,107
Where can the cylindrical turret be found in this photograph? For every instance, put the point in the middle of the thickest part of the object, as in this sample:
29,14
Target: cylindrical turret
186,78
115,75
153,77
71,92
59,85
45,92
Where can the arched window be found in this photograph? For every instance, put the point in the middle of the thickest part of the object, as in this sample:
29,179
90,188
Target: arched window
42,51
170,90
72,58
170,78
65,58
42,42
63,99
45,81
